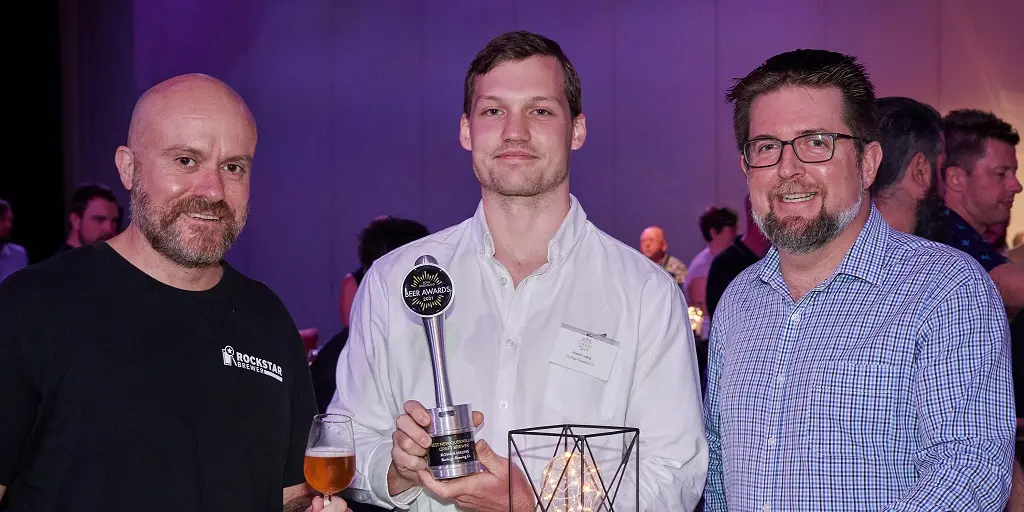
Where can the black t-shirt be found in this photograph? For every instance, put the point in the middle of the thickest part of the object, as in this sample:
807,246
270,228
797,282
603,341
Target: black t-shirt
63,249
323,370
724,268
118,392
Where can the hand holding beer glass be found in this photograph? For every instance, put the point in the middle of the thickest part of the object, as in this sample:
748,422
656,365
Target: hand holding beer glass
330,464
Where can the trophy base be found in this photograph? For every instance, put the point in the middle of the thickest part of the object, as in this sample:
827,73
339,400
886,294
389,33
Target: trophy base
456,470
453,450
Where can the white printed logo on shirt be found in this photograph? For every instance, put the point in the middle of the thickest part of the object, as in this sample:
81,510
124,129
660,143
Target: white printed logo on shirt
231,357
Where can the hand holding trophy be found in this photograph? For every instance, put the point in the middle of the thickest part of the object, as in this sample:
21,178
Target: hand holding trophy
428,292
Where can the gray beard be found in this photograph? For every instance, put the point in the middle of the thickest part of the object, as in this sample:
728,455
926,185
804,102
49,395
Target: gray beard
817,234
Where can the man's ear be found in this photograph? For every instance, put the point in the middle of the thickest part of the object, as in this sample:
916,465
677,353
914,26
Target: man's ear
869,163
956,178
579,131
124,159
75,220
919,172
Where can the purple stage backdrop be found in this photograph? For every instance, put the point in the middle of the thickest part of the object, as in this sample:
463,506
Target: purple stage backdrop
358,102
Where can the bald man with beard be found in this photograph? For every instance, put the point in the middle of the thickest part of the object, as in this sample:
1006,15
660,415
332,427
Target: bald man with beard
145,373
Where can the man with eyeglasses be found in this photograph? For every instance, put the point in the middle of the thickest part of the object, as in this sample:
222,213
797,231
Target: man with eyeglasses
854,367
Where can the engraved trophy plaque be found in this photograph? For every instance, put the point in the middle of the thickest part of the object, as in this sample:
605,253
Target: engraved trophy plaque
428,292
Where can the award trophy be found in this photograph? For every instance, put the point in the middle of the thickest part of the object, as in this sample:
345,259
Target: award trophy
428,292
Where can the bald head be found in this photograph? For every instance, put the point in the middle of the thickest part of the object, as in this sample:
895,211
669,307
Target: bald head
653,244
186,95
189,156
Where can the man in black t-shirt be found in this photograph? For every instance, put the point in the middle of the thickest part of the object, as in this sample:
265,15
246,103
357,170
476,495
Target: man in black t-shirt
744,252
95,216
145,373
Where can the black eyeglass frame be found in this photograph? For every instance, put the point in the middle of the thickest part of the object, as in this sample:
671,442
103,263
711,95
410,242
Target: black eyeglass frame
835,136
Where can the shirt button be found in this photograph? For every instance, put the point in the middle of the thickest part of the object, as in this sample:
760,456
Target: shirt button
771,441
510,342
766,508
780,379
503,405
504,281
795,317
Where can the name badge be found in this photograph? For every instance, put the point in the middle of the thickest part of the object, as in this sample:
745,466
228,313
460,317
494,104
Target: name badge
585,352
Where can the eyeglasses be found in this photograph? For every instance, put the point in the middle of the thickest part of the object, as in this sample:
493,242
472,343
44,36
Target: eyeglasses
812,148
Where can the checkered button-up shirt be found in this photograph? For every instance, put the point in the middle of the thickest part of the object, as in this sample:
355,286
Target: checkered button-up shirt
886,387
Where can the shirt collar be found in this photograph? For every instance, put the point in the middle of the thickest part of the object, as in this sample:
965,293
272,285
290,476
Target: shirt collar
865,260
567,236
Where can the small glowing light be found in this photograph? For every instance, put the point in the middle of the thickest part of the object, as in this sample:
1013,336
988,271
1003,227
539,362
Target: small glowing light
571,491
696,318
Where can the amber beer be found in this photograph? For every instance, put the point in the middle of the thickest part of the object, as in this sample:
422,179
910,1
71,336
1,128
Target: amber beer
329,471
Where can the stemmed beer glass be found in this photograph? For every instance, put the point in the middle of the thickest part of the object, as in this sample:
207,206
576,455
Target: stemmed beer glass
330,464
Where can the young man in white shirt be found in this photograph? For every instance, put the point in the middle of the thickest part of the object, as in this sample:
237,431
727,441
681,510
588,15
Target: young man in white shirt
527,266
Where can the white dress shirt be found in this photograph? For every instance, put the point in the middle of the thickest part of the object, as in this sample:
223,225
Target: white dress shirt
499,342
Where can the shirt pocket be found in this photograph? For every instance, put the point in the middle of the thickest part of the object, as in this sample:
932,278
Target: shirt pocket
851,413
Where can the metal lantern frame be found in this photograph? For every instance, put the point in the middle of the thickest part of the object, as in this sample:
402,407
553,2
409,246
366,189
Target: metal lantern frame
574,438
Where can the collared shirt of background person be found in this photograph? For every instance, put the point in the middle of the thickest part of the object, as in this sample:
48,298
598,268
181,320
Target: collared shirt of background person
744,252
94,216
144,373
980,176
655,247
524,271
383,235
718,227
906,187
13,257
855,367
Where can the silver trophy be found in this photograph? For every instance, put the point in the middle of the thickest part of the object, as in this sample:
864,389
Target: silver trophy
428,293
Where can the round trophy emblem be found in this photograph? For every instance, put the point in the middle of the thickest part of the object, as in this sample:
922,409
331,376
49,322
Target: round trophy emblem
427,290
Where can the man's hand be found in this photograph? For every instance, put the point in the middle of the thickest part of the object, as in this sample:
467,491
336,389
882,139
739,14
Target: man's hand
336,505
487,491
302,498
411,442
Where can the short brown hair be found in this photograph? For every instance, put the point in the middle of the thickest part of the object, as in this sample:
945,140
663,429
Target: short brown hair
966,132
717,219
819,69
519,46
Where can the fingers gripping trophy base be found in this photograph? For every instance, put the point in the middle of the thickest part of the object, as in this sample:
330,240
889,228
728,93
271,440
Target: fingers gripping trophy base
452,450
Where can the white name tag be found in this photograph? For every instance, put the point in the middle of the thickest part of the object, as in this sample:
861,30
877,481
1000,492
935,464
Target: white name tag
585,352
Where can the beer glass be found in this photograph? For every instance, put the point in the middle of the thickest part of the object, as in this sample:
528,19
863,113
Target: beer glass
330,464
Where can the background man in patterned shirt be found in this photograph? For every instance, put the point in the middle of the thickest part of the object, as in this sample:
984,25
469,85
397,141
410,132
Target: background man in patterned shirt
655,247
981,182
854,367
